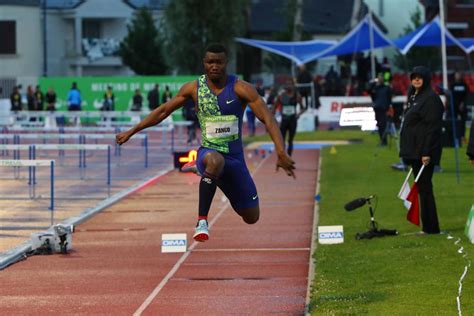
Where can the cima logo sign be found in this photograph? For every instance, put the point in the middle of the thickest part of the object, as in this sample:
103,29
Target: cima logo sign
176,242
331,234
173,243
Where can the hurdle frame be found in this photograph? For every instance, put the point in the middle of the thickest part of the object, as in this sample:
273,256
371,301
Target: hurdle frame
34,164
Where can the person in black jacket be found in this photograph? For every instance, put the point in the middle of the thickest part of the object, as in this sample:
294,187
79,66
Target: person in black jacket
137,101
420,137
51,100
39,97
381,95
153,97
470,144
15,100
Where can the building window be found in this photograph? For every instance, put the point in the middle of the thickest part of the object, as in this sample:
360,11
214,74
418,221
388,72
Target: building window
91,29
8,36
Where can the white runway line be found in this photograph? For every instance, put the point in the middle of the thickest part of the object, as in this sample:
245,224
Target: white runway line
175,268
312,265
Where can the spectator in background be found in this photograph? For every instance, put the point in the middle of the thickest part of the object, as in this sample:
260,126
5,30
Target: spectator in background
363,68
470,145
153,97
50,100
30,99
420,136
269,96
31,102
189,113
459,91
382,101
318,92
137,101
39,96
304,78
109,100
332,82
15,100
74,100
166,95
331,74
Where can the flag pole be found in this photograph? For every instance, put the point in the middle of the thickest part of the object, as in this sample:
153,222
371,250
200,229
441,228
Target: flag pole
371,37
447,93
405,183
408,175
419,173
443,44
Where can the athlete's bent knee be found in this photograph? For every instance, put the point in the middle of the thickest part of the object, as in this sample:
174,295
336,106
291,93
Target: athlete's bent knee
214,163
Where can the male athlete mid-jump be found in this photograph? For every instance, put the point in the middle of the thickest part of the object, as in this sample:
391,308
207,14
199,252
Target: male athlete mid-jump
220,101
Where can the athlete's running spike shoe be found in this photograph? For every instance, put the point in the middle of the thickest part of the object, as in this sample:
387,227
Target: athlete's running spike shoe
202,231
190,167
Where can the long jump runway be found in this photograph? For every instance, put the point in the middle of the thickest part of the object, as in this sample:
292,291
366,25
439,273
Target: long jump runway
117,268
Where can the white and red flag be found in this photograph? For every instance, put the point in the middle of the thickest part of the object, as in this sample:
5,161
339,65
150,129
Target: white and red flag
410,197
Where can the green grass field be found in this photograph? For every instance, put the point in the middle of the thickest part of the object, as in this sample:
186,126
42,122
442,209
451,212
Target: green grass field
400,275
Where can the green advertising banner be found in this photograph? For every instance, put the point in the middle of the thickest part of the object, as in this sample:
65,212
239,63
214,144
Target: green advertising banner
93,89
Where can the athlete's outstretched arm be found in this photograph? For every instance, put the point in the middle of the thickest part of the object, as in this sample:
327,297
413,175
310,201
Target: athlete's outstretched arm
160,113
249,95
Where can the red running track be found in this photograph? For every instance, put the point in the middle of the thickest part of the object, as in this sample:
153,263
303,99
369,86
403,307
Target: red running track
117,266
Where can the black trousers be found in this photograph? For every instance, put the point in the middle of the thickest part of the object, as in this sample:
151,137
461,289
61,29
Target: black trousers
288,124
381,118
429,216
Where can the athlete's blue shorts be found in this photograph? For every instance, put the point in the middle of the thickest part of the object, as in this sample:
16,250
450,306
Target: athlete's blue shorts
235,180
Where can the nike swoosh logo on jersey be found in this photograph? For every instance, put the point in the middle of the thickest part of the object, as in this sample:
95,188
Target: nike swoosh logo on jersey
229,101
254,197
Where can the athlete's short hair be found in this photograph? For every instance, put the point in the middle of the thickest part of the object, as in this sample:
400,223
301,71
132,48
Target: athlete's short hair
216,48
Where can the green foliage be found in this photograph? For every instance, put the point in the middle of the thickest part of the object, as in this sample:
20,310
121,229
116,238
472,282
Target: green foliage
275,63
141,48
417,55
190,25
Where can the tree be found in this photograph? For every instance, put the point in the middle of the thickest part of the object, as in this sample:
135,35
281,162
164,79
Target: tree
427,56
190,25
141,48
292,14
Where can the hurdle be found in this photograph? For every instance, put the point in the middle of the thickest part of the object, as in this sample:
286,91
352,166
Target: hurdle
34,164
16,156
60,147
82,155
81,139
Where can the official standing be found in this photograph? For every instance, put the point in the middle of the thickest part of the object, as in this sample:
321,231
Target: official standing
420,138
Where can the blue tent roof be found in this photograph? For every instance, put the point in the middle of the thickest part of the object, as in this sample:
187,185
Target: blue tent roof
428,34
357,40
298,52
468,44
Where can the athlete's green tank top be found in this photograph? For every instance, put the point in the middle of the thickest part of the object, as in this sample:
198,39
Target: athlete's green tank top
220,117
